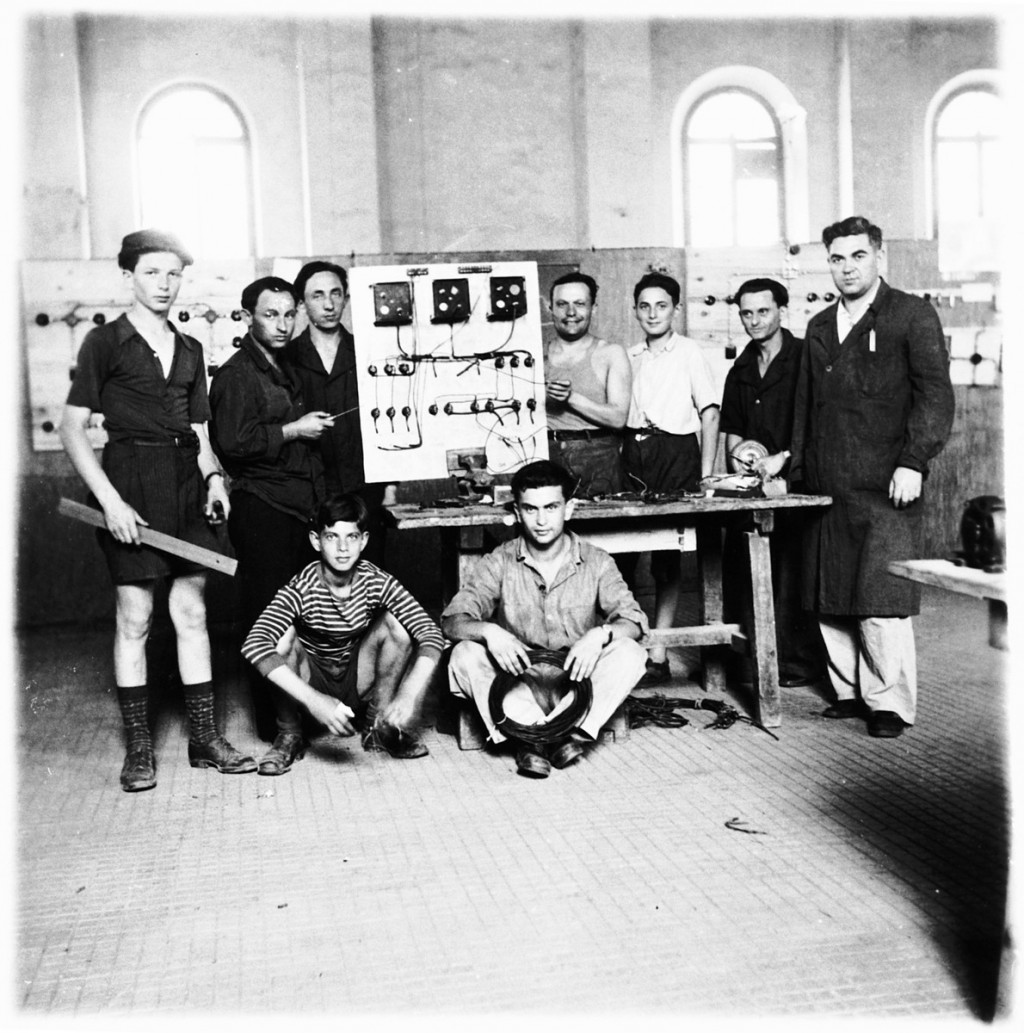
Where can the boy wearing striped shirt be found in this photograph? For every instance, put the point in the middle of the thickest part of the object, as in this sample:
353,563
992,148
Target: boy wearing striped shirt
344,637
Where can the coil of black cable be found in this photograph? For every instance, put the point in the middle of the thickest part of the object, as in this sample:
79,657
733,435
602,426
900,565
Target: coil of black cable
549,731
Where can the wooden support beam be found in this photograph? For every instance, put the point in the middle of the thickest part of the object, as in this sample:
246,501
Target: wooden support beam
699,635
157,539
762,631
709,570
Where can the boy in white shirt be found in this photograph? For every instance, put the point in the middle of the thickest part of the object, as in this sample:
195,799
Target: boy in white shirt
671,435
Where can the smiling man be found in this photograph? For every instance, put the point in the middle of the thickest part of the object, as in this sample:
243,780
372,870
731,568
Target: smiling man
874,405
587,384
346,641
264,438
545,590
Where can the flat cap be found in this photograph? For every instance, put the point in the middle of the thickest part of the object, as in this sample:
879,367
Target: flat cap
142,242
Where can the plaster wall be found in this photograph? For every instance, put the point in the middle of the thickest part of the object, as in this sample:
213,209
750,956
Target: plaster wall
53,187
800,54
481,135
897,67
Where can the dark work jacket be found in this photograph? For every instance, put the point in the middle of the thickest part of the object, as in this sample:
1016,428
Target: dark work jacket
761,408
251,400
341,448
859,415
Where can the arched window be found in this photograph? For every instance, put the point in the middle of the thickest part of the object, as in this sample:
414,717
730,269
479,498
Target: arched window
966,159
733,172
739,160
195,173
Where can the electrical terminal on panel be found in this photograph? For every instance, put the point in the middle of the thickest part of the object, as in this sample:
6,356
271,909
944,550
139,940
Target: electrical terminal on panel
448,357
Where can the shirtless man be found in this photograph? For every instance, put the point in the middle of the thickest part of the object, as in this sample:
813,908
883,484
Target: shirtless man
588,384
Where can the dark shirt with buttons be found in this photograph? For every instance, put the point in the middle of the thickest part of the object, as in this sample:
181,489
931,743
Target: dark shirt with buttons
335,392
761,408
252,399
118,374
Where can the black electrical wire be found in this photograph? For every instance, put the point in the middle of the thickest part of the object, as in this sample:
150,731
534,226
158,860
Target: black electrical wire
661,710
557,727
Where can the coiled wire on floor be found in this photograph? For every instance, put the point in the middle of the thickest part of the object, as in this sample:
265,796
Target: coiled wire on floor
557,727
661,710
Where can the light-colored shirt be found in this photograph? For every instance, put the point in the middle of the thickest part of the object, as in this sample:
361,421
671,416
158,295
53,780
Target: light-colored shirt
671,388
844,323
506,588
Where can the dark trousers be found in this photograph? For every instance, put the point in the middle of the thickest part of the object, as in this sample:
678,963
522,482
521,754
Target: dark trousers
798,638
271,547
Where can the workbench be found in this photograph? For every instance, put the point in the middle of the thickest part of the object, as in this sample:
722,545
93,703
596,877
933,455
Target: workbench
618,525
964,581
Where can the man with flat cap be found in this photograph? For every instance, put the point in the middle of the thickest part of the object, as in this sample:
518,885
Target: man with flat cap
159,471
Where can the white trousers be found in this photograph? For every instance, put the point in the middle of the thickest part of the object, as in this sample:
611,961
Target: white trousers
621,665
876,657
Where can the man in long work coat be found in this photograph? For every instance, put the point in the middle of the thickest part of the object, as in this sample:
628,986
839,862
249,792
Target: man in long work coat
874,405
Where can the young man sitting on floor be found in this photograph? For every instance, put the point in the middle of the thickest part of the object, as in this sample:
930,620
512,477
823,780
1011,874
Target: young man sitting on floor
344,637
545,590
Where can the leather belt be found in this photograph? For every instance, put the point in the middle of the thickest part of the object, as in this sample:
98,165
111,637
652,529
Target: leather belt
178,441
655,432
581,435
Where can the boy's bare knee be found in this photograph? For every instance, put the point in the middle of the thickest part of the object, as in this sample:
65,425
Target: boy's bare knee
394,631
134,615
186,606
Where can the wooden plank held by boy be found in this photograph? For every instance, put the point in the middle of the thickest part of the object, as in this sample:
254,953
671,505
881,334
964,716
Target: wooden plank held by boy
157,539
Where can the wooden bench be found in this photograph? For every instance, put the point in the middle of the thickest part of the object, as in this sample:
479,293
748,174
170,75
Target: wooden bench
964,581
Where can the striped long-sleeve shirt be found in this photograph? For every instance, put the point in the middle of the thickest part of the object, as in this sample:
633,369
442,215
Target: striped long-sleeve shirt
330,629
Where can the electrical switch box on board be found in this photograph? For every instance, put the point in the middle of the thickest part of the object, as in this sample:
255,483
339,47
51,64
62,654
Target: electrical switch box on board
448,357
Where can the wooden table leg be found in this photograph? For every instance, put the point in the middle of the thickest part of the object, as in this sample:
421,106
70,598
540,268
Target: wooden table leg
764,652
997,629
461,547
709,574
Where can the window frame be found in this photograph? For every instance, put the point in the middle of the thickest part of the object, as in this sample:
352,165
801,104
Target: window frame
979,79
937,140
780,177
791,118
163,93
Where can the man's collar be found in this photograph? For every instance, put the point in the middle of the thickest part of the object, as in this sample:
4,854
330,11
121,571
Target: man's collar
574,545
671,340
255,352
302,349
125,328
871,296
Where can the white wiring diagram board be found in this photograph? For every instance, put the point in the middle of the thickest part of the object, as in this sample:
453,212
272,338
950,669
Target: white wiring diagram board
449,360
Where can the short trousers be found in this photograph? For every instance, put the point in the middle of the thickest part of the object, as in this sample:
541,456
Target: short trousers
595,464
661,462
338,680
163,484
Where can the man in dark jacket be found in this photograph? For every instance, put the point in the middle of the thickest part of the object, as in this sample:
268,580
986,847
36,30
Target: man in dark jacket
263,436
323,357
874,405
757,405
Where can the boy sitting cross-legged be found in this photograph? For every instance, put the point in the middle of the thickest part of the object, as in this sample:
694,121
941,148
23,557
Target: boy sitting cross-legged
342,637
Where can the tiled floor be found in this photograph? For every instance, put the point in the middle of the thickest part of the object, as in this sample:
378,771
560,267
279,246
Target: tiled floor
862,877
